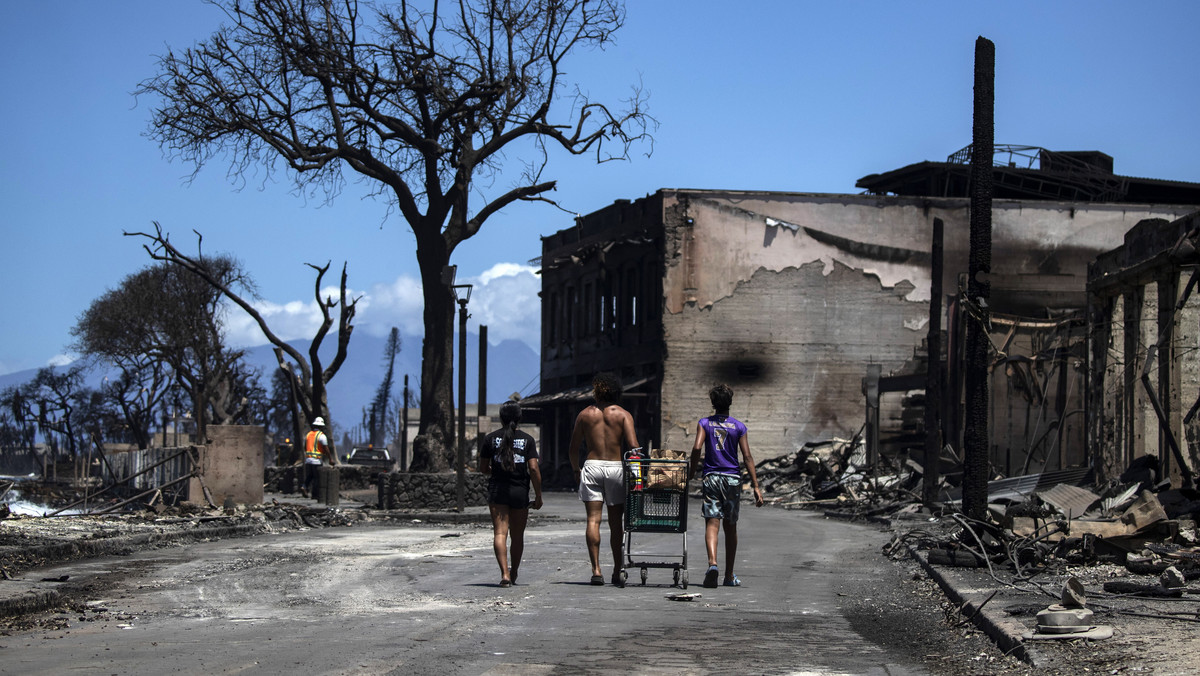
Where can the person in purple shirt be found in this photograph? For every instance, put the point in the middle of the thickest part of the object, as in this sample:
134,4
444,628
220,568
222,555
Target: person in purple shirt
722,437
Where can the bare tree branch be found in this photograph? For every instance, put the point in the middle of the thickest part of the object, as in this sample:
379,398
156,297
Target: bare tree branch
309,378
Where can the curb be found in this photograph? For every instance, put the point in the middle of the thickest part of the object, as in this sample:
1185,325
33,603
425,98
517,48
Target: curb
985,618
30,602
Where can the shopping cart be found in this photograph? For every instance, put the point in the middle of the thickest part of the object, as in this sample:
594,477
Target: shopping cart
656,502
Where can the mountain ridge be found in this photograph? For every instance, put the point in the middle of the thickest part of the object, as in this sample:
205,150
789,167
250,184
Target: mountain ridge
513,367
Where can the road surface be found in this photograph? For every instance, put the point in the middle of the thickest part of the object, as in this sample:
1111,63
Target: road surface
422,599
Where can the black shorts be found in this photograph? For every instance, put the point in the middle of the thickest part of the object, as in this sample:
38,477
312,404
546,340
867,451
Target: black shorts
513,497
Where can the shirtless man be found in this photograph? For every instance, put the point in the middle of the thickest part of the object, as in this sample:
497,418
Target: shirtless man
601,428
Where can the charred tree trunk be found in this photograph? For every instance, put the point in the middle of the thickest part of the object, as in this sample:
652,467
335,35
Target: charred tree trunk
433,447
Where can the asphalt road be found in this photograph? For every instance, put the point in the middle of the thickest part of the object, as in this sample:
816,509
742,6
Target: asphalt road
420,598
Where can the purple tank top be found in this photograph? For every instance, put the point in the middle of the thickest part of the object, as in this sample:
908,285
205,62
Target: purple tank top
722,435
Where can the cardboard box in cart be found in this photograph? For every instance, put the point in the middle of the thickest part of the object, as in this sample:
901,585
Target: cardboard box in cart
668,478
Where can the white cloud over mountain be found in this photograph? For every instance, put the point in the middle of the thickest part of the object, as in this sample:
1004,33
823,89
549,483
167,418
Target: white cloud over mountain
504,298
506,301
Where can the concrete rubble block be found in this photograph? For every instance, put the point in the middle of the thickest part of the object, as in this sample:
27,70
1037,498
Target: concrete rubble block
1171,578
1144,511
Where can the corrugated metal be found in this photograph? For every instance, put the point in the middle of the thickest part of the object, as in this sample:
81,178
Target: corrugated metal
1072,501
1018,488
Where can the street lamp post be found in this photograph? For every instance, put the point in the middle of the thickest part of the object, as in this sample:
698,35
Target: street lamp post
462,294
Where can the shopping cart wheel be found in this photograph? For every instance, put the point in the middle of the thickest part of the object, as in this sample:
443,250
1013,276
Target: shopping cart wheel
624,577
643,577
684,579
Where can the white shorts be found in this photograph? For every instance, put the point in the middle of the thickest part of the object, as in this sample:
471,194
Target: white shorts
602,481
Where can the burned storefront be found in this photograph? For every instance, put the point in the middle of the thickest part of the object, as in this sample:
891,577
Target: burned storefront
791,298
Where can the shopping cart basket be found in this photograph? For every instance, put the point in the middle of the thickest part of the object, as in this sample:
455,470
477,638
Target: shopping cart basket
656,502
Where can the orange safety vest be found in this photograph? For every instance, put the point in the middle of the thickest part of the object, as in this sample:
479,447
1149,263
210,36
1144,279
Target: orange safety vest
310,446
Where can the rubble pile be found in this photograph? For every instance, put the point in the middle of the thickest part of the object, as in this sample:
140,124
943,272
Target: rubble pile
1131,542
834,474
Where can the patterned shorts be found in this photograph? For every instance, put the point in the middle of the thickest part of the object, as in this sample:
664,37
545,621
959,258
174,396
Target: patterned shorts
722,494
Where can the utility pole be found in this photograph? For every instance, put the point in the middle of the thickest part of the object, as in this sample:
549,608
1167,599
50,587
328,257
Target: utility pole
462,294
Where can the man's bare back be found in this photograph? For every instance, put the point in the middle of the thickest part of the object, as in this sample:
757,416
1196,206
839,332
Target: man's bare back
602,430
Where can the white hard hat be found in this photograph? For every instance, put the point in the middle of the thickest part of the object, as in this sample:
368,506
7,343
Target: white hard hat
319,422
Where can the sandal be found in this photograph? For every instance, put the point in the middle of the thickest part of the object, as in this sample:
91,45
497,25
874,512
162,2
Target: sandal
710,578
598,580
512,574
505,583
617,579
732,582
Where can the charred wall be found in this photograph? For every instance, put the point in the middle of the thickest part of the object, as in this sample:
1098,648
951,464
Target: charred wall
793,345
803,291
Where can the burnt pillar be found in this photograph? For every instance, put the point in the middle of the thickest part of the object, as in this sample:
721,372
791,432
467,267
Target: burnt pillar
404,428
975,434
871,391
483,351
933,373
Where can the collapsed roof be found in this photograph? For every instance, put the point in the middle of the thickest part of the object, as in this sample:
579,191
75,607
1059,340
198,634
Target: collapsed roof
1029,172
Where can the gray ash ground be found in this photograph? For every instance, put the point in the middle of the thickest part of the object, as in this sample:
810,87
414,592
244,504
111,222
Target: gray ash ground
903,610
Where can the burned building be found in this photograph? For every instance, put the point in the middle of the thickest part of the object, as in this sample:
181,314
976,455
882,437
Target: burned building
791,297
1144,323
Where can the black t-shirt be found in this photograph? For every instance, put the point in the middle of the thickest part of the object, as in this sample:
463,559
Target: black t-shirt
524,448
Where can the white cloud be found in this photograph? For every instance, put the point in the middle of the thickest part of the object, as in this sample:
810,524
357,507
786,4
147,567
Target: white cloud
506,301
396,304
61,360
506,270
504,298
290,321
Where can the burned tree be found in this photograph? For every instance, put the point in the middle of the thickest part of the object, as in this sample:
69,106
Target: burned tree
49,402
160,316
133,396
307,375
377,429
419,100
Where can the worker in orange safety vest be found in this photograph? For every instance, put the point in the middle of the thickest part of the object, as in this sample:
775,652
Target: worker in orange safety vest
316,451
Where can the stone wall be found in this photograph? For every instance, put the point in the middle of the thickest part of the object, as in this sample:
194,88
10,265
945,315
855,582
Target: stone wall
400,490
395,490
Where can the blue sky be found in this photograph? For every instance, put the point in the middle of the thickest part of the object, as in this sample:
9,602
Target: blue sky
780,95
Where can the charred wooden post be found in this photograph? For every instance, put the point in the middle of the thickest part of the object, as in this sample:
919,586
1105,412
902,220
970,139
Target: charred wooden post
483,350
404,428
871,391
975,437
933,382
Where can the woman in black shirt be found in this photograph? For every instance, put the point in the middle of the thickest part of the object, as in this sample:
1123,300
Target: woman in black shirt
509,456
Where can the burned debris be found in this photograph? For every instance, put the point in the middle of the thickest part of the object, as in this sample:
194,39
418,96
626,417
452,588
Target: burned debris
1096,485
